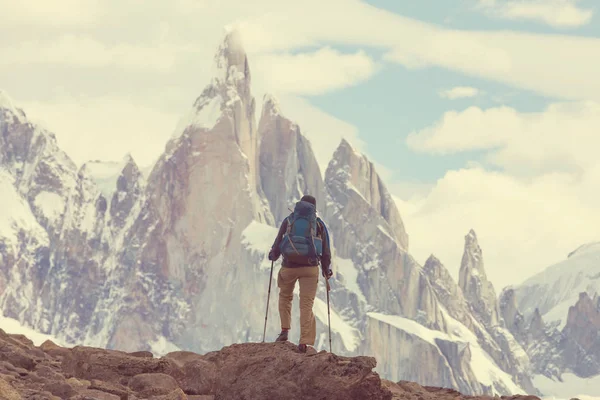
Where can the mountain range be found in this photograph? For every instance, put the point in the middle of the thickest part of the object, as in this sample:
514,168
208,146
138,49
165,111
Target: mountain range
108,255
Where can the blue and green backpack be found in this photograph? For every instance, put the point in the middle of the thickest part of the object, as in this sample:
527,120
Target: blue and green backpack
300,243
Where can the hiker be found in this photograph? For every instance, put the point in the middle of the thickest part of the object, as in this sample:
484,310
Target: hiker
303,241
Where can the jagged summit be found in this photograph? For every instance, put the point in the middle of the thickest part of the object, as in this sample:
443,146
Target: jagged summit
354,172
230,85
432,260
271,105
474,283
7,104
230,60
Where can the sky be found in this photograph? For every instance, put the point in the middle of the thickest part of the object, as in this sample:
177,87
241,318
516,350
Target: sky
479,114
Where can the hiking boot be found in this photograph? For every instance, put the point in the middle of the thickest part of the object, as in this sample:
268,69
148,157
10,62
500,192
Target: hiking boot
302,348
283,336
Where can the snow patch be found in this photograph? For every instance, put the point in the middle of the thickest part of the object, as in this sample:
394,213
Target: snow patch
205,115
51,204
571,386
483,366
16,215
557,288
161,347
349,272
105,174
350,336
259,237
13,326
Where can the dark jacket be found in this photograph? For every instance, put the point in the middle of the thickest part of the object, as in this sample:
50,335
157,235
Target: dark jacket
322,232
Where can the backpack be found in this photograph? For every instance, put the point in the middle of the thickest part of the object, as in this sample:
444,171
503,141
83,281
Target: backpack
300,243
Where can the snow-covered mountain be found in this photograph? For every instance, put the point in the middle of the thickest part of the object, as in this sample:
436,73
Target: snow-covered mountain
554,290
109,256
555,315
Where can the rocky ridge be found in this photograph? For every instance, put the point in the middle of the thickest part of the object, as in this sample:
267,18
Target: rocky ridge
239,371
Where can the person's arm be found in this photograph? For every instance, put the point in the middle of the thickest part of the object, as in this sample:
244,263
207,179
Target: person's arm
326,257
274,253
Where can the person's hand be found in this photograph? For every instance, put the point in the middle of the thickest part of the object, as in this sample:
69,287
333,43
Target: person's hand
272,256
327,273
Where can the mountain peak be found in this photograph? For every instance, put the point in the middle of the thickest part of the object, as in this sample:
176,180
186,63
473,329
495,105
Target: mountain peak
432,260
271,104
8,104
345,145
231,61
474,283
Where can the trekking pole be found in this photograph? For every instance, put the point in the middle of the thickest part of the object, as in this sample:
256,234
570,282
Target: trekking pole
268,298
328,313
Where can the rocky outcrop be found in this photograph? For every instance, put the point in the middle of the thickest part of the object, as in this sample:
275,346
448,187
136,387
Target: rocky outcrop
353,174
288,167
239,371
474,284
582,343
495,339
367,230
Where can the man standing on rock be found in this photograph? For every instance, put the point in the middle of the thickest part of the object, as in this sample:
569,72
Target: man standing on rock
303,241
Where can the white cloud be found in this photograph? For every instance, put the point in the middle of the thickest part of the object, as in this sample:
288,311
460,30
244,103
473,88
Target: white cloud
542,204
82,51
105,128
564,137
554,65
459,92
313,73
58,13
523,225
556,13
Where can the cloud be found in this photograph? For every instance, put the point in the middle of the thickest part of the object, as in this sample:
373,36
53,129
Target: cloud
105,128
459,92
313,73
523,225
529,213
59,13
562,138
556,13
86,52
559,66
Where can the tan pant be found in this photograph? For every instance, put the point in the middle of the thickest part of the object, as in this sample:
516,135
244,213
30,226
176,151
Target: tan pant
309,280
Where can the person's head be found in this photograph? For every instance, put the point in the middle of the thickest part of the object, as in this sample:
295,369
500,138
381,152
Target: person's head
309,199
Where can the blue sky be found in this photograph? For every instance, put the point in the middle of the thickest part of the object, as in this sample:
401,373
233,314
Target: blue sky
397,101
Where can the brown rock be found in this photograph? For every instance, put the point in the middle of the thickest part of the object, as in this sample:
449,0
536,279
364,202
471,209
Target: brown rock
113,366
8,392
88,394
277,370
45,371
22,339
15,356
199,375
51,348
45,395
142,354
79,383
153,384
60,389
177,394
112,388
